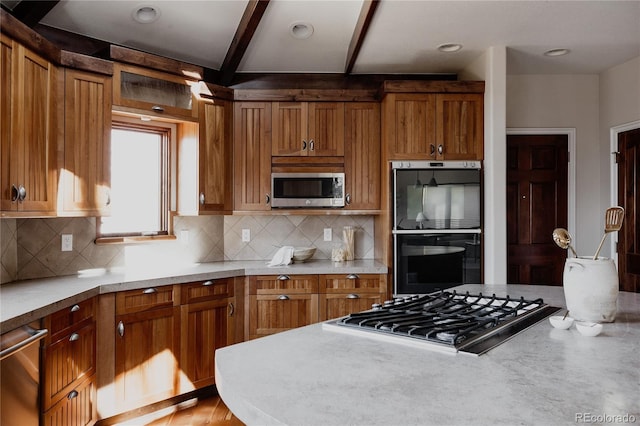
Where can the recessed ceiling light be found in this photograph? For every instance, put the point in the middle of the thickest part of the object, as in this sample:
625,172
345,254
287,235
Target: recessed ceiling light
557,52
301,30
146,14
450,47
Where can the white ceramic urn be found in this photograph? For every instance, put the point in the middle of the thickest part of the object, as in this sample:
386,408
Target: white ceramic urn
591,289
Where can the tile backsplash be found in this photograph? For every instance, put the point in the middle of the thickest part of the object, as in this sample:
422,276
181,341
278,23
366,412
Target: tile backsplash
31,247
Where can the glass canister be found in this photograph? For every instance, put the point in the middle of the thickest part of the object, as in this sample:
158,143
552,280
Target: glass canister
591,288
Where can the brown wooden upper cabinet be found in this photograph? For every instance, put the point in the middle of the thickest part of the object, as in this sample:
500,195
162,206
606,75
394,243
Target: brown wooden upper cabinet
362,155
430,126
156,92
251,159
308,129
28,131
214,156
85,168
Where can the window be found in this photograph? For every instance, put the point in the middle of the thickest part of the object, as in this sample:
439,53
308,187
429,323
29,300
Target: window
140,180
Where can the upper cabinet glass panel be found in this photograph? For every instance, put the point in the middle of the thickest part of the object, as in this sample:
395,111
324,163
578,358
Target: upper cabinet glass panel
153,91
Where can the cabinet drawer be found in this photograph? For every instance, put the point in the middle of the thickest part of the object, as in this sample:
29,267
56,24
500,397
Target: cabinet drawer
203,291
347,283
276,313
276,284
65,318
77,408
67,360
338,305
144,299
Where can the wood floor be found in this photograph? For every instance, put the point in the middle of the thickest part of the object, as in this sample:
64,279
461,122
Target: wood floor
209,411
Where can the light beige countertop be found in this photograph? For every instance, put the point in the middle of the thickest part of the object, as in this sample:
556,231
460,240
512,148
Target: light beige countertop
542,376
24,301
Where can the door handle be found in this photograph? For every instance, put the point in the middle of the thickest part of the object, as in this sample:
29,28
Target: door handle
232,309
312,145
120,329
440,149
14,193
202,198
304,145
267,198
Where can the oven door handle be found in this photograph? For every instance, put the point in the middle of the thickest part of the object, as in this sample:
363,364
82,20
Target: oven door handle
35,335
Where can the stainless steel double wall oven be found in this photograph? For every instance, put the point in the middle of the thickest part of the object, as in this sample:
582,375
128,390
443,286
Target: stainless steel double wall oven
437,229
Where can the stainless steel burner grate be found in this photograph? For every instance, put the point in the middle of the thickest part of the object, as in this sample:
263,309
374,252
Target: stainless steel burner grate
453,321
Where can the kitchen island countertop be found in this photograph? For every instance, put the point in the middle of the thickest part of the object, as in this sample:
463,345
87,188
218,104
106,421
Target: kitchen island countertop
24,301
542,376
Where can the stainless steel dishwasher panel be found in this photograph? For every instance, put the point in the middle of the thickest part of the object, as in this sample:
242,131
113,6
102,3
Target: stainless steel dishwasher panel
20,376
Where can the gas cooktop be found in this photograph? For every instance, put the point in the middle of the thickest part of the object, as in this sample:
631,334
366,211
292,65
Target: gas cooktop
447,320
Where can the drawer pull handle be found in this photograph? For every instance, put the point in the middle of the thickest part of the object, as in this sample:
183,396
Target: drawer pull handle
232,309
283,277
207,283
283,297
149,291
74,337
352,277
72,394
157,108
121,329
353,296
75,308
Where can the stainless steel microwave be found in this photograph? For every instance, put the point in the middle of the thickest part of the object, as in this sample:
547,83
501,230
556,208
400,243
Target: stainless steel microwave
307,190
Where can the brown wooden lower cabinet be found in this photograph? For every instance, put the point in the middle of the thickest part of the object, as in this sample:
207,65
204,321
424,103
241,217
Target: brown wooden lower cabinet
146,347
207,323
343,294
68,385
282,302
77,408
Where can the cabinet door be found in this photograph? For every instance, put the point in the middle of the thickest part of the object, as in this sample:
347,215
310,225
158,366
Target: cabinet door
206,326
9,147
409,126
252,155
275,313
214,156
290,126
28,142
77,408
87,143
460,126
158,93
146,359
326,129
66,361
362,155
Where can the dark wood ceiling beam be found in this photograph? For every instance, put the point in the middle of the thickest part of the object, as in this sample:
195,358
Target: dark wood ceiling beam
247,27
31,12
362,26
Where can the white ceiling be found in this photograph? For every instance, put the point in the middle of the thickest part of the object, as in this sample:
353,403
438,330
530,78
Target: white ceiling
402,38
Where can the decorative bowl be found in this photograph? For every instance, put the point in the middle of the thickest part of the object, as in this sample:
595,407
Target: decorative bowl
588,328
562,323
301,254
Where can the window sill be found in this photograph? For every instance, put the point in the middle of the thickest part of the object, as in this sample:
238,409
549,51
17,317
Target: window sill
134,240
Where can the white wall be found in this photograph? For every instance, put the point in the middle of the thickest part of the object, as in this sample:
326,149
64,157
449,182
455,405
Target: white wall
492,67
566,101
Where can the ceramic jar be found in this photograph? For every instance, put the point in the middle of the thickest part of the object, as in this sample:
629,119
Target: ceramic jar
591,289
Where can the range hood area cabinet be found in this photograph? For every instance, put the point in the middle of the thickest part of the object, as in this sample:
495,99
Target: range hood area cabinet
435,126
28,133
308,129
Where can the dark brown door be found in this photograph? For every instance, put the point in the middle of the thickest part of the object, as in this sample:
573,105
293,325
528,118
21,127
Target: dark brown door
628,197
536,205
